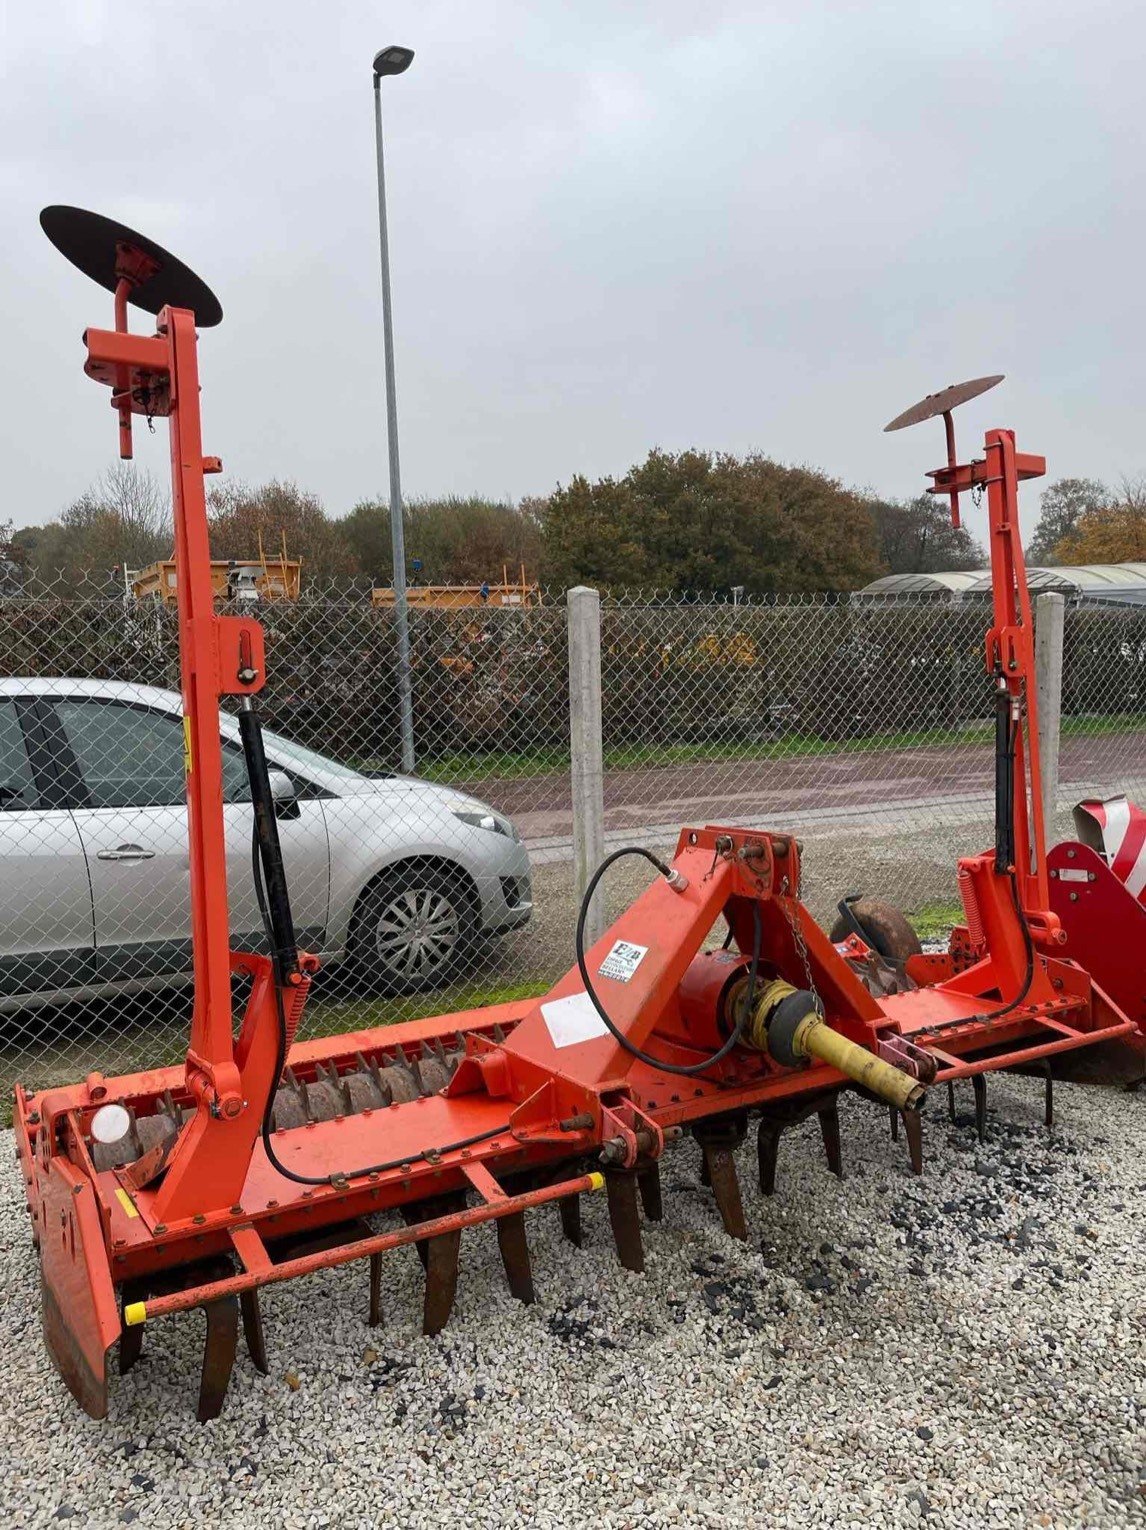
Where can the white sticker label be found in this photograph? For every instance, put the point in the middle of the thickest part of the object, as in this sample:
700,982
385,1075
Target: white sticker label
572,1019
622,961
1069,874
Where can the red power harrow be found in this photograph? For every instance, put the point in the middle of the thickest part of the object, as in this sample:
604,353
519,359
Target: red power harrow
262,1158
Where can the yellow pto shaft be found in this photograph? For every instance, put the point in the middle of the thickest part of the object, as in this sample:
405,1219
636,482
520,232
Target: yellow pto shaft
785,1024
815,1038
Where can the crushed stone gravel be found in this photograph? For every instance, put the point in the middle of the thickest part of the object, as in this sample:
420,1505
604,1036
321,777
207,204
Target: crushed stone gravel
965,1349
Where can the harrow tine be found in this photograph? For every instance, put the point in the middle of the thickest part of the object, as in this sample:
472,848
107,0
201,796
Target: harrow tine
253,1330
1048,1111
979,1084
893,1118
704,1179
621,1188
649,1184
829,1116
375,1317
951,1100
913,1129
767,1151
441,1280
218,1356
514,1248
130,1339
570,1209
726,1188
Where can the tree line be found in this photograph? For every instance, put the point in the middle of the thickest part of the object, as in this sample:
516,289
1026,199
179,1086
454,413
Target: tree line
690,521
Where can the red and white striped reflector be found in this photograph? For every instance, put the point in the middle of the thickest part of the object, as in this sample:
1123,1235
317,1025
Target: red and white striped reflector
1117,830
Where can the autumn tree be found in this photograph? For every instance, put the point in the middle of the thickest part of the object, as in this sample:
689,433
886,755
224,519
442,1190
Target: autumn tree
1114,533
458,540
123,520
916,537
1062,506
697,522
240,515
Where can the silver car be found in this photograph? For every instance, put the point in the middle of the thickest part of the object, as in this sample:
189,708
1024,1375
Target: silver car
397,876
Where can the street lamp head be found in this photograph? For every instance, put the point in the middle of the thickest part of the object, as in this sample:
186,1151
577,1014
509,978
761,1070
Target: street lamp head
392,60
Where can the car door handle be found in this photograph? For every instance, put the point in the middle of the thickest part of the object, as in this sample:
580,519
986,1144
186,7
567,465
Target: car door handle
126,853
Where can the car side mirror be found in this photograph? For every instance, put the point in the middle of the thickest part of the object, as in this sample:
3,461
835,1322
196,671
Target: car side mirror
284,794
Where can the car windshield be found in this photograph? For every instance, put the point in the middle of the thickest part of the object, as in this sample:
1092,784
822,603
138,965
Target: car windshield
288,754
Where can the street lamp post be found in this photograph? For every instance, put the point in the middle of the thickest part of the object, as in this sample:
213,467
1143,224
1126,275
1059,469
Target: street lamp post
394,60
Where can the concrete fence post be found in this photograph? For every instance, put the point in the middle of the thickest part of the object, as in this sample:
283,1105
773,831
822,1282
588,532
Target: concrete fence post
1050,621
585,748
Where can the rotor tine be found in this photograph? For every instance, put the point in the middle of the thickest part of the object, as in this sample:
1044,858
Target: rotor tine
130,1339
704,1179
441,1280
767,1151
829,1115
726,1188
649,1184
1048,1114
375,1317
979,1084
913,1128
498,1034
253,1329
570,1209
893,1118
514,1248
951,1099
621,1187
218,1355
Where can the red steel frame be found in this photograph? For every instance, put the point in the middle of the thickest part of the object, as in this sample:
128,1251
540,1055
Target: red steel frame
518,1101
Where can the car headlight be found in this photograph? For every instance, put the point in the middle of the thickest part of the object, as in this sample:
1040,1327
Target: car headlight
491,821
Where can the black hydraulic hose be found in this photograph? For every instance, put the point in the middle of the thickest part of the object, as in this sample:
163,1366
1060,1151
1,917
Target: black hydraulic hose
1020,997
1004,783
278,921
688,1070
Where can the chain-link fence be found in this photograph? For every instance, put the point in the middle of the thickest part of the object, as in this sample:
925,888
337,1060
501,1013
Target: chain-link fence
865,727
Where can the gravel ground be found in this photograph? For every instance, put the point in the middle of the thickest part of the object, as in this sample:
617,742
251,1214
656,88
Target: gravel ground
962,1350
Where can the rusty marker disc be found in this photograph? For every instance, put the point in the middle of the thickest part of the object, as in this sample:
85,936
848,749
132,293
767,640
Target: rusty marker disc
947,398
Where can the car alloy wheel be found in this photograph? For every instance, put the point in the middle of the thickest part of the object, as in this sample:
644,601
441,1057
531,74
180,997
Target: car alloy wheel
416,934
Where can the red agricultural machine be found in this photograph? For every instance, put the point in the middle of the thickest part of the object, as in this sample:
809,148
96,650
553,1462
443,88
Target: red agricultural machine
263,1158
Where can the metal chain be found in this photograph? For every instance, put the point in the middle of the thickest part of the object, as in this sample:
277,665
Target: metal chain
801,947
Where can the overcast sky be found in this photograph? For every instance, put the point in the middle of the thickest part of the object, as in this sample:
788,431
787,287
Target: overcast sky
733,225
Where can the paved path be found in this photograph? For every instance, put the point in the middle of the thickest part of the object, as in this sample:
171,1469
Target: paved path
854,787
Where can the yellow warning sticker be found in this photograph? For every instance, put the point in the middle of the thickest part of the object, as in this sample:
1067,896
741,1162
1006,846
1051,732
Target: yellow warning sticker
125,1201
187,746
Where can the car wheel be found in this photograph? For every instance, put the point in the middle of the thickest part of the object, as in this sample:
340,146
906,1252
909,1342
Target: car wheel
413,928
